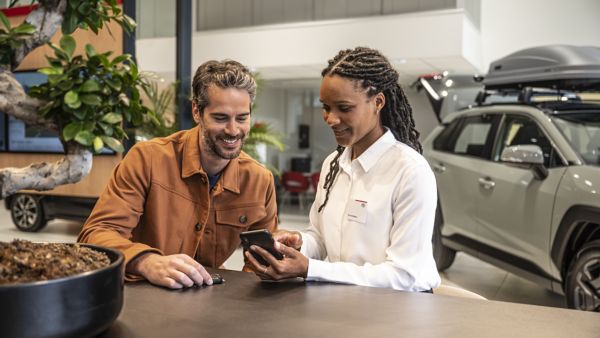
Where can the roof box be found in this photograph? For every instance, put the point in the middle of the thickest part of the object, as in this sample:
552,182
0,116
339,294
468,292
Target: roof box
560,66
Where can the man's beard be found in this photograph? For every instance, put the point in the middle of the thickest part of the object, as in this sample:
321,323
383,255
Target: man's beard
214,149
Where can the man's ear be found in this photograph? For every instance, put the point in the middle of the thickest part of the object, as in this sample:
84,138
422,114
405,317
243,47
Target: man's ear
196,113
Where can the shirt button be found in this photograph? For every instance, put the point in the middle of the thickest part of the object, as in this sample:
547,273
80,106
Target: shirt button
243,219
198,226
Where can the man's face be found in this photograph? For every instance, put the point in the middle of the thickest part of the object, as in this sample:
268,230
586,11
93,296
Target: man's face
225,122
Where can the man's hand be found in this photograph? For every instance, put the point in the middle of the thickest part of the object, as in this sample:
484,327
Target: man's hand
292,239
174,271
293,264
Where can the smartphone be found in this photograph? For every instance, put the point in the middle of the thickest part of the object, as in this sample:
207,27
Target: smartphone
260,238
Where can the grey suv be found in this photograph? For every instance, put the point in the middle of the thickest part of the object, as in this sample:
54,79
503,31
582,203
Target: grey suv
519,187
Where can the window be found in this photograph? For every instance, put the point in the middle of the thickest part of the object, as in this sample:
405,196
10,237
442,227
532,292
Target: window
521,130
471,136
445,140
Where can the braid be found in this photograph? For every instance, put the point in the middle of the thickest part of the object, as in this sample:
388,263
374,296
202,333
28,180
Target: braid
334,168
371,70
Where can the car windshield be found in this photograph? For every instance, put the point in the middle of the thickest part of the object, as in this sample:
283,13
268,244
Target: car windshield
582,130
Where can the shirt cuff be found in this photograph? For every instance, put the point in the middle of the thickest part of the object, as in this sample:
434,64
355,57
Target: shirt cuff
317,270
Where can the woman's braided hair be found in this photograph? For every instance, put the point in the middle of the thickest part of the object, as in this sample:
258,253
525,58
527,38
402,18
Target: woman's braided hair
373,72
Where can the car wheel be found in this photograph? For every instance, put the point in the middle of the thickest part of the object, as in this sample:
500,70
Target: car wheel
443,255
27,213
583,279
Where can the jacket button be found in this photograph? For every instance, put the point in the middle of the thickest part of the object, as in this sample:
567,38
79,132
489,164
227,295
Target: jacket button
243,219
198,226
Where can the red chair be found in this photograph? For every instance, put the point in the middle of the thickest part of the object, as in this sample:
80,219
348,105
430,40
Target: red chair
296,183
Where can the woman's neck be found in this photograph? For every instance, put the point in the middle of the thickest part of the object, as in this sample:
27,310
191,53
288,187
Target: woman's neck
364,143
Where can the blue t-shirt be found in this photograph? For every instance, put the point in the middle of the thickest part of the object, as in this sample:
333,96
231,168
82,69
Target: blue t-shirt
213,179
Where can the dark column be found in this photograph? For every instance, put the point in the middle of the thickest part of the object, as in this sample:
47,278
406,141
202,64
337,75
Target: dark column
129,48
183,67
129,39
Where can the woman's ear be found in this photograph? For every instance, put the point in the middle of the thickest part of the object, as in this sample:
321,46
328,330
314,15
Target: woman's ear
379,101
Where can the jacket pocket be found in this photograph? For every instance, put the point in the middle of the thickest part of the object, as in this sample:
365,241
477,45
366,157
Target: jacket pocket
240,217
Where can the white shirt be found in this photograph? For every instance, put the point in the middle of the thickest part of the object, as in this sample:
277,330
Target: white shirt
376,227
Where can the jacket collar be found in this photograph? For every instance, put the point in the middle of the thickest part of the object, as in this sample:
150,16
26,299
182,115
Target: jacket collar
191,163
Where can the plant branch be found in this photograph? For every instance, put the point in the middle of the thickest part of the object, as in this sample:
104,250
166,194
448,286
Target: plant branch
47,19
14,102
45,176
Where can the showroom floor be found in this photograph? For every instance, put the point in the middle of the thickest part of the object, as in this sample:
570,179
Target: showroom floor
466,272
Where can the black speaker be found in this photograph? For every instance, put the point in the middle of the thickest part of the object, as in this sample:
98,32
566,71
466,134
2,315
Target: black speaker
304,136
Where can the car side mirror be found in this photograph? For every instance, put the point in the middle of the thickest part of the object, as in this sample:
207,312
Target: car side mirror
528,156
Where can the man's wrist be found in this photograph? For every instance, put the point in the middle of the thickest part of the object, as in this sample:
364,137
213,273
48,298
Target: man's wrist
136,266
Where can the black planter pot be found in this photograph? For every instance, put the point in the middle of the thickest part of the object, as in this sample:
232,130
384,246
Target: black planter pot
77,306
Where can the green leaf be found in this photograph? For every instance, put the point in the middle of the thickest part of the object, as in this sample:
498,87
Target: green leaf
67,43
129,23
115,83
50,70
134,70
121,58
112,118
91,99
107,128
80,114
60,54
98,144
84,137
89,50
25,28
72,99
65,85
69,24
113,144
4,20
90,86
71,130
84,8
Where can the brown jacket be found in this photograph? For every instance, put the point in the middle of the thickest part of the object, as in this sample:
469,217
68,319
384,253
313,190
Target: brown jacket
158,200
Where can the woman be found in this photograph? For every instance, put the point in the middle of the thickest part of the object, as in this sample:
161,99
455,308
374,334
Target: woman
374,210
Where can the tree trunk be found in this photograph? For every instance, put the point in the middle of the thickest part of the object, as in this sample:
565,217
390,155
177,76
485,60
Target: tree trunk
45,176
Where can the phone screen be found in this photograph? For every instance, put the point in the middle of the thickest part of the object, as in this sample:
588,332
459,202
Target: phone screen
260,238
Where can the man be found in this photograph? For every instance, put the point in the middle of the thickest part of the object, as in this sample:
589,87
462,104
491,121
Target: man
176,204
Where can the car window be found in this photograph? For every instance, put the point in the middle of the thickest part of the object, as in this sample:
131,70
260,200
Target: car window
521,130
582,131
474,136
445,140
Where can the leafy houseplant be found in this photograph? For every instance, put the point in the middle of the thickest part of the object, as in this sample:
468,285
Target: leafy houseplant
162,103
86,99
262,133
89,97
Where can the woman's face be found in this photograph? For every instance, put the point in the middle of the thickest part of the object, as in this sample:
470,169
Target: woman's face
350,113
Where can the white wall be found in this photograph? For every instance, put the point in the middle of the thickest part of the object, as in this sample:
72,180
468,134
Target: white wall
418,43
511,25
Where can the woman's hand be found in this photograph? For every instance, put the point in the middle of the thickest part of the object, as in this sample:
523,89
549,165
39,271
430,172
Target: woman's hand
294,264
292,239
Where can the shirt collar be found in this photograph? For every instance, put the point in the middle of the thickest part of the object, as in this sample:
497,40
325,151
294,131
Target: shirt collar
191,162
370,156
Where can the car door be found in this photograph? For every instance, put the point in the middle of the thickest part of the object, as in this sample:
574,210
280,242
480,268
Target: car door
514,209
457,154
